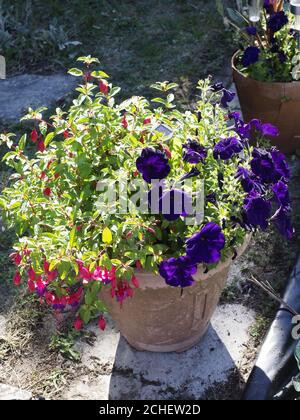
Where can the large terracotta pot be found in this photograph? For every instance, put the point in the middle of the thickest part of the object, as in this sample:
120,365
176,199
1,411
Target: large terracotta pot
160,318
276,103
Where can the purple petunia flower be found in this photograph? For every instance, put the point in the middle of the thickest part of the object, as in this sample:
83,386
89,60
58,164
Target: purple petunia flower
283,223
226,148
257,210
178,272
217,87
153,164
227,97
205,246
266,129
194,152
277,21
281,192
250,56
248,180
280,163
175,203
270,167
251,30
193,172
242,129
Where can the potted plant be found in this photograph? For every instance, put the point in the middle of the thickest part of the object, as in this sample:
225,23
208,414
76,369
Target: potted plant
139,211
266,67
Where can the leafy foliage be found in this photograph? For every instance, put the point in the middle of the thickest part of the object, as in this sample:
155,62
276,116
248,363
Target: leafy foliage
68,248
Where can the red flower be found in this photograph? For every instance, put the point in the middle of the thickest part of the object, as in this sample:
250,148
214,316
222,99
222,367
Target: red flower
31,285
147,121
151,230
34,135
46,266
66,134
41,146
74,298
16,257
78,323
167,152
138,265
103,87
43,175
135,282
78,228
124,122
88,76
31,274
47,191
136,174
17,279
56,175
102,323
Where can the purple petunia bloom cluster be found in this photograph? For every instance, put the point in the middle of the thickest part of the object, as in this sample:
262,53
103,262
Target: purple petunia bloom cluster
277,21
194,152
264,179
203,247
250,56
153,164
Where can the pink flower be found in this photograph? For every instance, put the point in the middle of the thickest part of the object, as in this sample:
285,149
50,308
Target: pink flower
47,191
16,257
147,121
34,135
41,146
17,279
124,122
78,228
135,282
103,87
102,323
85,274
78,323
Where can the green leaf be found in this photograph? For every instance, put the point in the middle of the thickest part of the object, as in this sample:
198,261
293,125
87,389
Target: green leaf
75,72
106,235
22,142
100,74
73,237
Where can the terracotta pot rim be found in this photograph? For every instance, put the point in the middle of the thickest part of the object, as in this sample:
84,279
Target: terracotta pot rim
236,70
144,276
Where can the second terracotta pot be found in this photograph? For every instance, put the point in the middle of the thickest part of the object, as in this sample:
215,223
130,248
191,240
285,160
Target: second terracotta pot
276,103
160,318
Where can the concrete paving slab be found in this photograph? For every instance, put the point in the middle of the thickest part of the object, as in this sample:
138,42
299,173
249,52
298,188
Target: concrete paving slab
18,93
121,372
